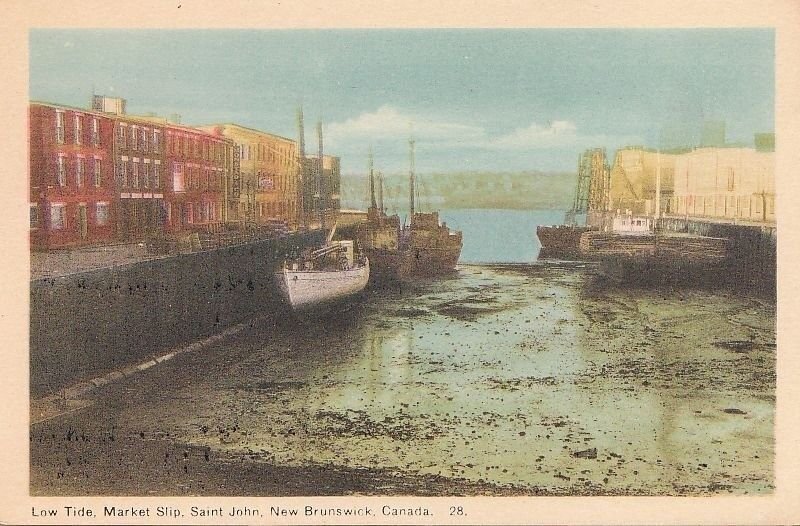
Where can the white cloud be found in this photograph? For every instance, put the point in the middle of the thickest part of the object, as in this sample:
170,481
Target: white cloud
389,123
554,134
448,141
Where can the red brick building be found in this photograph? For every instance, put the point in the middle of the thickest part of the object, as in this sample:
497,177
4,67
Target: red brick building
71,177
99,176
139,177
198,165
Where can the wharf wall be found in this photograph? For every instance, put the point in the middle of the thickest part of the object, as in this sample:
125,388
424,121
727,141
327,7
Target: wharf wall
752,261
96,321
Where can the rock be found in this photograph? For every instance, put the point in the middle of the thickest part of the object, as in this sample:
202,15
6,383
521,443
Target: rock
586,453
734,411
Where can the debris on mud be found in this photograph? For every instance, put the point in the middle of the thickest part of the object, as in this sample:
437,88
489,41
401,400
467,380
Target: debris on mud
586,453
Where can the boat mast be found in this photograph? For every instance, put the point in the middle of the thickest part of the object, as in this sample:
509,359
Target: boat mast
371,181
658,185
411,179
318,177
380,192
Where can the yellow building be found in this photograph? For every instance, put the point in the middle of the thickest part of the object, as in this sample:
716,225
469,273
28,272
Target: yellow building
268,186
633,181
725,183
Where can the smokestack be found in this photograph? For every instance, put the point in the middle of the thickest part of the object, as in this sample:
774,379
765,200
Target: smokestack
411,178
301,138
301,163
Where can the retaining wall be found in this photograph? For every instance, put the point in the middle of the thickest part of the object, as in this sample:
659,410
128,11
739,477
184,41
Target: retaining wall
87,323
752,250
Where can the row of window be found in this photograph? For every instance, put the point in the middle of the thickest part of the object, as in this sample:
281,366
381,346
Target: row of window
262,152
272,210
135,174
190,213
138,138
194,147
194,178
81,171
751,203
80,135
58,215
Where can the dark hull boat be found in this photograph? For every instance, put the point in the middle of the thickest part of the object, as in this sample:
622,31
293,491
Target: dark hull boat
425,247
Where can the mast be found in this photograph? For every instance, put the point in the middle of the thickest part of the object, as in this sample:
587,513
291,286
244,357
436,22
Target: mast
371,181
301,157
380,192
658,184
411,179
320,171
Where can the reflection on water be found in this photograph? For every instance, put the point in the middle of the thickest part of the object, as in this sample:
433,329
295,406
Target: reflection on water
523,375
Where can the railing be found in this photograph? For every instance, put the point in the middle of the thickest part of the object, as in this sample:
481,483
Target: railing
217,234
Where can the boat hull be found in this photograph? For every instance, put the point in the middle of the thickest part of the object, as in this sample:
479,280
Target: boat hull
393,265
560,240
303,289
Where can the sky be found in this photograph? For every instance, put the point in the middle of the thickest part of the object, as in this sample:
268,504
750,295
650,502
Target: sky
489,100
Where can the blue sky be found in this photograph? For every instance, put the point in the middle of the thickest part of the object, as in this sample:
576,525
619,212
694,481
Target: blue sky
502,100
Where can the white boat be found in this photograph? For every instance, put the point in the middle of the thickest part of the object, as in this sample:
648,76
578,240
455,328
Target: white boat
328,274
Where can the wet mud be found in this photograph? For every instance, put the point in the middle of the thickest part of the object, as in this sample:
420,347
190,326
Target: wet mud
500,380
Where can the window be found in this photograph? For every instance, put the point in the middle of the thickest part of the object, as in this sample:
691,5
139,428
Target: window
178,184
57,216
78,128
59,127
121,135
133,137
146,175
61,171
156,176
731,180
156,140
135,175
189,213
101,214
79,172
34,216
143,139
123,172
97,180
95,131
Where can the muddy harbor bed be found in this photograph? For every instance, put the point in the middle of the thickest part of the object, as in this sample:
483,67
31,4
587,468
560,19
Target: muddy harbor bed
502,380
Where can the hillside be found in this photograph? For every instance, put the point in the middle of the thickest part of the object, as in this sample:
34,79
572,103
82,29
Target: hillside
513,190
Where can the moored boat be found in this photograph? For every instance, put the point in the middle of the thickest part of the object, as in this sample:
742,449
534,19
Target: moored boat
424,247
560,240
325,275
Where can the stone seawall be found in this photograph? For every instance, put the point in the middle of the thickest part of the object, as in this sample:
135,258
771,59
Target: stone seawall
752,249
87,323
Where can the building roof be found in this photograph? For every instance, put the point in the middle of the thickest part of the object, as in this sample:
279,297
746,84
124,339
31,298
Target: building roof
67,107
247,129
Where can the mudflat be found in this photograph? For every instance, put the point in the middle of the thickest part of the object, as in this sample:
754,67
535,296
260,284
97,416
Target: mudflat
499,380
